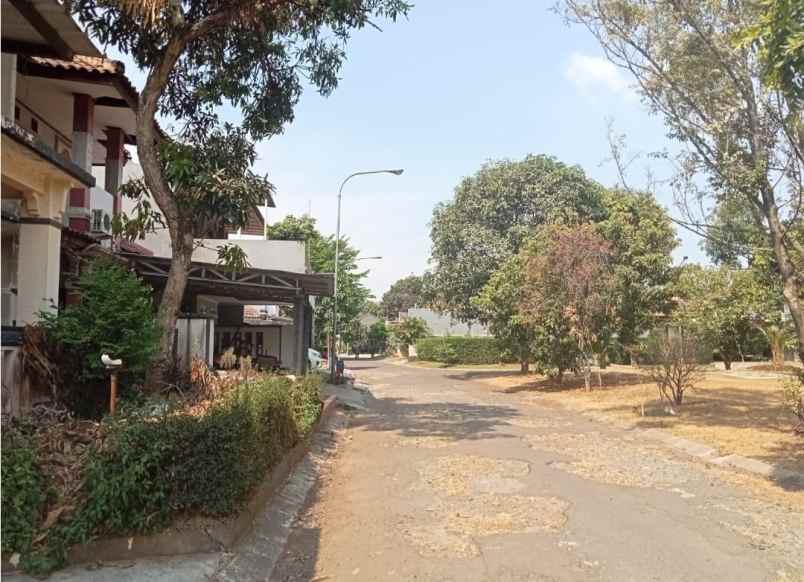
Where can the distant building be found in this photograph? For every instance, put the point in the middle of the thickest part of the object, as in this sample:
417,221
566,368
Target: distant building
368,319
445,325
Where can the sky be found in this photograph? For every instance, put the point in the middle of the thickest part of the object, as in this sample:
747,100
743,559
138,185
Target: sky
456,83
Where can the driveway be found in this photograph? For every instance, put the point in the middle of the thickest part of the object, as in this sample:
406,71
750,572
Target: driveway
442,478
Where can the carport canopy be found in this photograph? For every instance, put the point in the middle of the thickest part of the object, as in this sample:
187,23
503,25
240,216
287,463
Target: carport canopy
261,286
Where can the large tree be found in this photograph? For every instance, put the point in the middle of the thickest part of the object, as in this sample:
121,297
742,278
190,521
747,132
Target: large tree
492,214
731,309
778,35
401,296
499,305
353,295
744,138
641,240
203,54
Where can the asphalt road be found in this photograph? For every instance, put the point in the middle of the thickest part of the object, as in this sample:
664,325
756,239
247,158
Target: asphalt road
442,478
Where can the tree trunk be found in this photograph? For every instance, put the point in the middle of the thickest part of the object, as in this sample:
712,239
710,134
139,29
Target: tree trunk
777,350
148,140
727,363
169,310
524,366
791,288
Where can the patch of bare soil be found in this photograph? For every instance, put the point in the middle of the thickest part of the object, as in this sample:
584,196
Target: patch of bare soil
612,461
475,497
786,369
425,442
458,474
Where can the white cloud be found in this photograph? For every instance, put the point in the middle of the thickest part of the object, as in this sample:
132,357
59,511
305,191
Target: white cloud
590,73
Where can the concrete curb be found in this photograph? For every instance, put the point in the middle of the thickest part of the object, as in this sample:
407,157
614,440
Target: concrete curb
783,477
198,535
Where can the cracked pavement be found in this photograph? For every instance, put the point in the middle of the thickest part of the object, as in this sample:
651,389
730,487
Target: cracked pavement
442,478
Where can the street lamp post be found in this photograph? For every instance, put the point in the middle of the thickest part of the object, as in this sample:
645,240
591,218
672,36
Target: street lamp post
332,355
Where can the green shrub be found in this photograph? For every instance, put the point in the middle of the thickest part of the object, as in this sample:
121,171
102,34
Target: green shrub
460,350
24,493
408,331
115,316
158,462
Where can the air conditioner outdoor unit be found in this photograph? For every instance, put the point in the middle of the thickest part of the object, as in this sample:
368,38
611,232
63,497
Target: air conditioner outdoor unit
101,221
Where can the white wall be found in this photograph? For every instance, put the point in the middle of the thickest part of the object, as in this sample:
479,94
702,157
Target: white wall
278,255
289,347
101,199
444,325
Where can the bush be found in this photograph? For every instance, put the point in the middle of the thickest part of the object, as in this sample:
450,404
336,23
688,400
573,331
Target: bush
675,361
158,461
460,350
407,332
115,316
793,397
24,493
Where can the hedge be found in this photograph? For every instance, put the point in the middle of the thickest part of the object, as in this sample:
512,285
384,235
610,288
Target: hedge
24,493
157,463
460,350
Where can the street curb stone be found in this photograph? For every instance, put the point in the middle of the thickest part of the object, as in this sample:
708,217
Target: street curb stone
711,455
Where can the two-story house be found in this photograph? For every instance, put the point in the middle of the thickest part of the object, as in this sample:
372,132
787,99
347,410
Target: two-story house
65,109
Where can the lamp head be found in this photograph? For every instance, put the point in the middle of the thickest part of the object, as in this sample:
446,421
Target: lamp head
397,172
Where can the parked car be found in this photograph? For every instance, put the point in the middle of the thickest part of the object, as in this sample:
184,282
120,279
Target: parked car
314,358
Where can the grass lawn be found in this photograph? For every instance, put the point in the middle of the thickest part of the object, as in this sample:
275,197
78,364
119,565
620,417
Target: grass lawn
739,412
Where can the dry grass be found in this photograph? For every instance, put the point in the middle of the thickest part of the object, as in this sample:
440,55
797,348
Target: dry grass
475,497
737,415
786,369
464,474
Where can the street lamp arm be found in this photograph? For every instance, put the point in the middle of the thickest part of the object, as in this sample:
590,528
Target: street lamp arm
366,173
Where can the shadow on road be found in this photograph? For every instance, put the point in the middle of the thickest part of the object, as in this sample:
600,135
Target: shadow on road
301,553
448,420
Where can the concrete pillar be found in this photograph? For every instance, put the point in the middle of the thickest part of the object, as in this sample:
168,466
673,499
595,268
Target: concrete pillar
308,328
298,328
38,269
9,86
79,210
114,164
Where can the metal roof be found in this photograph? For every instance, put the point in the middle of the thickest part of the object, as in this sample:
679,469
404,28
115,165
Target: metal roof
257,285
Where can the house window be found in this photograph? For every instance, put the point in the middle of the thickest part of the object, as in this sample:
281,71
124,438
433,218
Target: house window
34,125
16,113
97,220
